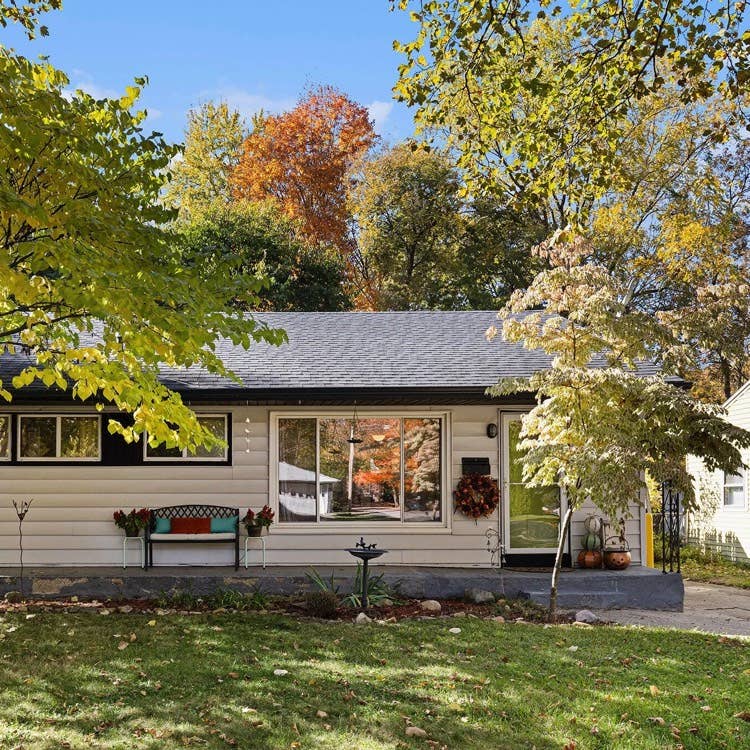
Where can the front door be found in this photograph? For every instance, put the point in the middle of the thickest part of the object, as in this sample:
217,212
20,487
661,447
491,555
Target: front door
532,515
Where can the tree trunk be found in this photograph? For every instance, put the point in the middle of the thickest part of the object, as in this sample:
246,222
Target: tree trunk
558,563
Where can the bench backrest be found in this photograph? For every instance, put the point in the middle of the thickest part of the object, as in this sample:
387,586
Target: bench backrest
193,511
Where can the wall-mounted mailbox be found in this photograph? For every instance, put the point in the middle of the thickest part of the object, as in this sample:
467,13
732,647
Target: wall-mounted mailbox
479,465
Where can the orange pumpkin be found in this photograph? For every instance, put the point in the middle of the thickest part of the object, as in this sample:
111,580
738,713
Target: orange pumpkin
589,558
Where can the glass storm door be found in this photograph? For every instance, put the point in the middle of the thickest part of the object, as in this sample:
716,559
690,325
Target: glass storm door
531,514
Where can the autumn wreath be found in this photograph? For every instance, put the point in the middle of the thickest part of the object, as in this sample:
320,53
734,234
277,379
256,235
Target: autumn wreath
477,495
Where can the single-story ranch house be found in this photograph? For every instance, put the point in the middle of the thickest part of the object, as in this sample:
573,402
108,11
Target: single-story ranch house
722,520
410,386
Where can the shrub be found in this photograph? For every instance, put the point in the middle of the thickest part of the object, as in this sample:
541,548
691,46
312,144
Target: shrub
321,603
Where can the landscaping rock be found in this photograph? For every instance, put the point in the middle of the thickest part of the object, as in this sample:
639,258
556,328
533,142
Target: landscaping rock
499,618
587,616
415,732
362,619
431,605
480,596
125,609
386,603
455,631
13,597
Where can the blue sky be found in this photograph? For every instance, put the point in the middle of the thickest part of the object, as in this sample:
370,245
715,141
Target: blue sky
252,54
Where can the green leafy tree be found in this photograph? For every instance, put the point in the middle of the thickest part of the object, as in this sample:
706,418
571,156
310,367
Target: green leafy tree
536,98
598,426
92,287
213,144
259,239
407,210
423,245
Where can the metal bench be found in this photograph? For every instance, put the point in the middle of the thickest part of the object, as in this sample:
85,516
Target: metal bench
193,511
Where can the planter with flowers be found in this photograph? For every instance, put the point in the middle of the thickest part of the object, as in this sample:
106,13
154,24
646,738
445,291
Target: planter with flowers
132,522
256,522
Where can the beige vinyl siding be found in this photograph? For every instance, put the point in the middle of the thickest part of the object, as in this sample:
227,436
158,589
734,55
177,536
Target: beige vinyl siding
70,522
727,529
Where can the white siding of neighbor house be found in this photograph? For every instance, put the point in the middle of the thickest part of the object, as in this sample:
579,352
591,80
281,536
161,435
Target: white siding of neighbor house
726,530
70,522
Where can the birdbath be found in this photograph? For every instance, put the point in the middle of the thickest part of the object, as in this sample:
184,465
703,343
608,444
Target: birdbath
365,552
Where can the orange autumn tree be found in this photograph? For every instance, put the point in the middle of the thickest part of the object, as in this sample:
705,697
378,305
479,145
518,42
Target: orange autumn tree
300,159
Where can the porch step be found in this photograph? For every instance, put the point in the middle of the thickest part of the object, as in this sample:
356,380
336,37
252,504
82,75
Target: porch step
579,599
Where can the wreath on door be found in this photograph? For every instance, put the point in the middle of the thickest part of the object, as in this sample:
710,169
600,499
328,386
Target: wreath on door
477,495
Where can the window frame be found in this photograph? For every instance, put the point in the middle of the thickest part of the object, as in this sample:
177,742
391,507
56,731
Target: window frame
742,484
58,458
346,527
9,453
186,456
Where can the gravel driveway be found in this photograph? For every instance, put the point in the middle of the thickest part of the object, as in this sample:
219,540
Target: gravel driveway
713,609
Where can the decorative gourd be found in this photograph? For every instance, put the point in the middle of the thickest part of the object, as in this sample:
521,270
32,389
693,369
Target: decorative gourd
592,524
591,542
590,558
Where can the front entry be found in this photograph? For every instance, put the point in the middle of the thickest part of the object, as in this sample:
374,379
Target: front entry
531,515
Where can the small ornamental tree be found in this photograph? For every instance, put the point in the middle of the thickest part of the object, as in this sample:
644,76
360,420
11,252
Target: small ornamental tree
598,425
92,287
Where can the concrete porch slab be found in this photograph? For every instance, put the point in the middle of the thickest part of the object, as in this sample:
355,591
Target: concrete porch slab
636,587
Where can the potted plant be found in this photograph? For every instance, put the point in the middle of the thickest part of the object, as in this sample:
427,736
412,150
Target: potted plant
133,521
256,522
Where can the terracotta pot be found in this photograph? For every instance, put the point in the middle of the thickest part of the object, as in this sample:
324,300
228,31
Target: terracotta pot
589,558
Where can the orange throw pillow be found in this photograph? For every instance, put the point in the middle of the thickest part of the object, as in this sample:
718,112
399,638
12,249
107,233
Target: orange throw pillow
191,526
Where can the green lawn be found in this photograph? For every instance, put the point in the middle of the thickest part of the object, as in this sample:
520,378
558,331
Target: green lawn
712,568
86,680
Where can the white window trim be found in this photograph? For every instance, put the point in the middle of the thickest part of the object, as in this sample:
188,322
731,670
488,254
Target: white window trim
8,455
346,527
57,458
741,507
186,456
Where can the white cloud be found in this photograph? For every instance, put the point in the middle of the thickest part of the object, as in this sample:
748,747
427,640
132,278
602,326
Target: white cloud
247,103
84,82
379,112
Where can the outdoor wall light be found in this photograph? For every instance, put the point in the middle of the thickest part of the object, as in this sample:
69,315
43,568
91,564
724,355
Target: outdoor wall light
492,430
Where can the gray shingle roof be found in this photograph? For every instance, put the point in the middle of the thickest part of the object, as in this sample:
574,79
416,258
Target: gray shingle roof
367,350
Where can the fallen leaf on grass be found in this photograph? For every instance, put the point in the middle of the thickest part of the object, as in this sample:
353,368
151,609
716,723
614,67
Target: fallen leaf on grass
151,623
654,690
322,715
657,720
280,672
122,645
744,715
415,732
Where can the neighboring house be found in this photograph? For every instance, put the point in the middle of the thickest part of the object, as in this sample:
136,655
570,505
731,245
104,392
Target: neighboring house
417,381
721,521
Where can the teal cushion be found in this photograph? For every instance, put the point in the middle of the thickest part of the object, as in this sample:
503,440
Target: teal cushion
224,525
163,526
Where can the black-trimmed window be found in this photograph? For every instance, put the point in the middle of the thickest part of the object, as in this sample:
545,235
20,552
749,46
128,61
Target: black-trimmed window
391,473
5,428
217,425
59,437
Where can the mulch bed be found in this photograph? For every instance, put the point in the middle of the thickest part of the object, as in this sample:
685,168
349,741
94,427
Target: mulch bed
511,610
